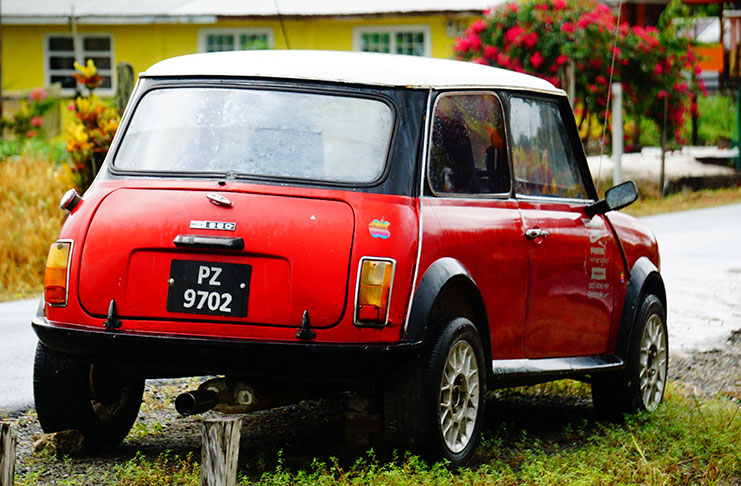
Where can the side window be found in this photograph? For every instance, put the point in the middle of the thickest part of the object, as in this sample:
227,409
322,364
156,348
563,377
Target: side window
468,154
542,156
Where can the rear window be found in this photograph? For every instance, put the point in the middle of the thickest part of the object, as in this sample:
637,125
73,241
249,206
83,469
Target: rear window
258,133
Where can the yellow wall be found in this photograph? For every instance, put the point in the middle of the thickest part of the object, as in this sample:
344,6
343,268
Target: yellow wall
143,45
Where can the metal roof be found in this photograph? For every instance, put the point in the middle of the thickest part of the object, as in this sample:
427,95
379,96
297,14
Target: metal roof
136,11
349,68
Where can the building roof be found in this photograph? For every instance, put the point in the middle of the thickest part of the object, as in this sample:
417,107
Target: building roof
349,68
171,11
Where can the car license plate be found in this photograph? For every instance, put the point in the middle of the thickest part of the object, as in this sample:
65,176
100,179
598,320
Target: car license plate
212,288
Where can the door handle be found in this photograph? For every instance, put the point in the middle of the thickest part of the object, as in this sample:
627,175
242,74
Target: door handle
534,233
201,241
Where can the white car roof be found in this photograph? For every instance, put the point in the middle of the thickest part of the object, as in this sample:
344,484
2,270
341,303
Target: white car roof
350,68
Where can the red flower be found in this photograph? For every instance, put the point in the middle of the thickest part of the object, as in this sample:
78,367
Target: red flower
477,26
490,52
512,36
37,94
37,121
561,60
31,133
513,7
567,28
503,60
658,69
530,39
536,60
662,94
559,4
462,45
474,42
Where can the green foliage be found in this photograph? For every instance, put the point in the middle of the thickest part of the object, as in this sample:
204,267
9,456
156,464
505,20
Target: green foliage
717,119
35,148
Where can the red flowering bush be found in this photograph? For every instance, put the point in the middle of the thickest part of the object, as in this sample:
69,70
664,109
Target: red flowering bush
28,120
546,37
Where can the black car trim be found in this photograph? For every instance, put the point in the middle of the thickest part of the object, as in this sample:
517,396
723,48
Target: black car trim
509,372
443,273
162,355
644,278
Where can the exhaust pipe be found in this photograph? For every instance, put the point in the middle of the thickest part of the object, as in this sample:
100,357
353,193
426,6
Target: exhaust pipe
196,401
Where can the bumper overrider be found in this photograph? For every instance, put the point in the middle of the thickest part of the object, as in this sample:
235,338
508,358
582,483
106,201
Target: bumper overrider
159,356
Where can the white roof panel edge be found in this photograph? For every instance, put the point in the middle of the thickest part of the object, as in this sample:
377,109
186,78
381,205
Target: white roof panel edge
349,68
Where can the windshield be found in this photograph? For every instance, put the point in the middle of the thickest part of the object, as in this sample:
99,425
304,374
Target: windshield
258,133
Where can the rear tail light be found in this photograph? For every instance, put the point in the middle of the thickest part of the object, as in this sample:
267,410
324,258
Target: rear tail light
57,273
375,280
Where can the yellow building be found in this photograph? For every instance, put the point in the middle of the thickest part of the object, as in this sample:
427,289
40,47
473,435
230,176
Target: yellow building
41,39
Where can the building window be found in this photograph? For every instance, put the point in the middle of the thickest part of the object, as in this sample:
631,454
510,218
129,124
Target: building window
218,40
60,58
410,40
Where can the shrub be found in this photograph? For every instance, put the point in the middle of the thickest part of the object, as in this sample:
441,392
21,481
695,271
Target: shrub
92,130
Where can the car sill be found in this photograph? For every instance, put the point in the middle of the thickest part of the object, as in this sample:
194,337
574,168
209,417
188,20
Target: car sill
556,366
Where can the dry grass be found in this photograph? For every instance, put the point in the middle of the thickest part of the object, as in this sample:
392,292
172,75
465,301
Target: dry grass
649,202
30,220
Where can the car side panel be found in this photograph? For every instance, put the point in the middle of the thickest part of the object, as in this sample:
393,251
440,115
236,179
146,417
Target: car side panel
484,235
574,273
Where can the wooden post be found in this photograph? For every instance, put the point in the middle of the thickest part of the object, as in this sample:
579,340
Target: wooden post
220,450
7,454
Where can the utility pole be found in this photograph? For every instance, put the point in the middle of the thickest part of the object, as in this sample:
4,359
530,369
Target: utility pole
617,133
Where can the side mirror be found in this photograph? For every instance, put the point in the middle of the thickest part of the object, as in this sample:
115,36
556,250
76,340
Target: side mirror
616,197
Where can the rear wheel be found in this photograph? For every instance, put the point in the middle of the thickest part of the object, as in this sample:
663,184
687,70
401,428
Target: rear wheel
640,386
96,400
437,407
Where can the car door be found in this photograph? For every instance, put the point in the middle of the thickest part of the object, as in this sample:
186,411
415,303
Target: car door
469,214
571,257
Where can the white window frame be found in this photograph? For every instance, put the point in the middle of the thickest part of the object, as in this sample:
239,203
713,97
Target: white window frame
357,35
80,54
204,33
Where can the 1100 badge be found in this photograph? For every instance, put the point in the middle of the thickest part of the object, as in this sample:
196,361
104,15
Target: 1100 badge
211,288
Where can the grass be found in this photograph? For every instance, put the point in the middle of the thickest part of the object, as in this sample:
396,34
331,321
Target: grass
30,220
534,436
649,202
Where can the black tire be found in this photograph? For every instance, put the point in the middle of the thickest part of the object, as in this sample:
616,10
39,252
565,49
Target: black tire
640,386
442,422
94,399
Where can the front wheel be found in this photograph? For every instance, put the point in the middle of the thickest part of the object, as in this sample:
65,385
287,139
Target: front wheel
641,385
96,400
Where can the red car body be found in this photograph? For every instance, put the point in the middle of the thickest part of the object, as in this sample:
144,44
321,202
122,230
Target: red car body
551,287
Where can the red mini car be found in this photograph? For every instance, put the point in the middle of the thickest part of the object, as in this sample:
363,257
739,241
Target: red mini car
415,231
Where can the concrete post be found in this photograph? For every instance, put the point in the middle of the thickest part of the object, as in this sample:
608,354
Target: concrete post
617,133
